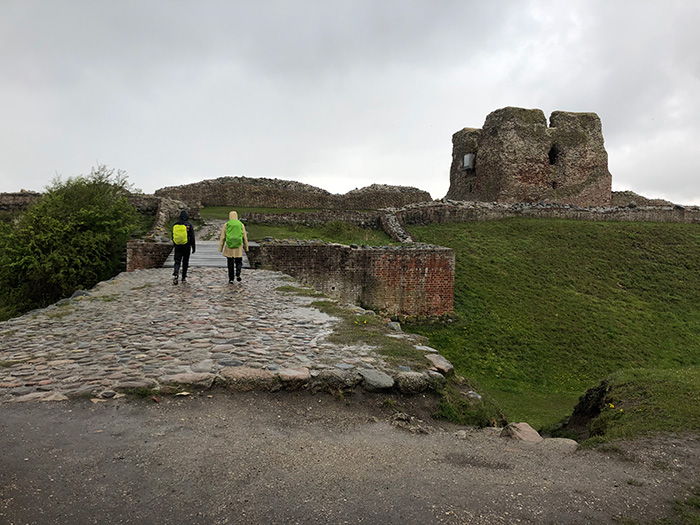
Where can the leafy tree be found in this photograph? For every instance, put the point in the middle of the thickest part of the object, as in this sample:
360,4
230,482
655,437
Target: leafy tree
73,237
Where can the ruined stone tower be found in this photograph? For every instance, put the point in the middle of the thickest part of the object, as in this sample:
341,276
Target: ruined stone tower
516,157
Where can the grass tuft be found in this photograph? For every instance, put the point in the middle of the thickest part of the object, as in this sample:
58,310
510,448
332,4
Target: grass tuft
371,330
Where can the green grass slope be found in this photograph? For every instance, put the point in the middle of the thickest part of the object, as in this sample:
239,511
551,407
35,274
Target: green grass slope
548,308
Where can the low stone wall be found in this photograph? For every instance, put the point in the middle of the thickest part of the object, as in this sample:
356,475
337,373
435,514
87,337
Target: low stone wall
413,280
247,192
370,219
625,198
145,254
14,202
145,204
167,210
465,211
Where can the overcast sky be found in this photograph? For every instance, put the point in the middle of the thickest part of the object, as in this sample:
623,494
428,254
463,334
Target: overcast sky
339,94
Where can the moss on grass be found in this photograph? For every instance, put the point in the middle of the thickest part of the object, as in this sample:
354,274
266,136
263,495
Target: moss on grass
295,290
371,330
454,406
11,363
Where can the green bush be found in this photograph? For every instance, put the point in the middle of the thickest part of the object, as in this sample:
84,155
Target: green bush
71,238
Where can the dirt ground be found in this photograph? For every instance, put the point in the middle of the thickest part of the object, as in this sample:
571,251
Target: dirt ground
297,458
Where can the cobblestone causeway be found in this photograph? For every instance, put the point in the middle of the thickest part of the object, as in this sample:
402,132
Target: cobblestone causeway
139,331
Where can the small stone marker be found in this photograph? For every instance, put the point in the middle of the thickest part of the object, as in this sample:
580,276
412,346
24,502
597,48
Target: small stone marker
521,432
443,365
394,326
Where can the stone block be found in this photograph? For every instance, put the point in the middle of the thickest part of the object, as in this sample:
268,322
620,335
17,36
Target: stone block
441,364
334,381
521,432
294,378
136,384
375,380
411,382
195,379
241,379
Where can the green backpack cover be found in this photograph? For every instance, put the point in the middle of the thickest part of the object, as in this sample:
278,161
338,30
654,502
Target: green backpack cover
234,233
180,234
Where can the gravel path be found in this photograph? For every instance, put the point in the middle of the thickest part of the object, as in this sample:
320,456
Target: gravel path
295,458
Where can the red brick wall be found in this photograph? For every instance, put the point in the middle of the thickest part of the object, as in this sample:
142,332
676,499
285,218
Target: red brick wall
141,255
413,282
410,281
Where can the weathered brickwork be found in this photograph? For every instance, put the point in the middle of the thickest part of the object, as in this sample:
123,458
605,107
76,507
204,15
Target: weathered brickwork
145,254
274,193
516,157
406,281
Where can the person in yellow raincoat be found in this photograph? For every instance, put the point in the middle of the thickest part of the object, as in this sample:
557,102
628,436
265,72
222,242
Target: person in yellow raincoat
232,241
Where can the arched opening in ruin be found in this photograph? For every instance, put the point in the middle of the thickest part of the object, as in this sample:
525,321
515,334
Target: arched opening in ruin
553,155
554,185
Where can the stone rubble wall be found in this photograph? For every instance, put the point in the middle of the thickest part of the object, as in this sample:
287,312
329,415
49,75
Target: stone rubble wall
369,219
625,198
448,211
393,228
167,210
18,201
413,280
249,192
162,209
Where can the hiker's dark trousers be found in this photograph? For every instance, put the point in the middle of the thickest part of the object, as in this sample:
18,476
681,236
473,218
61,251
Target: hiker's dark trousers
182,256
234,267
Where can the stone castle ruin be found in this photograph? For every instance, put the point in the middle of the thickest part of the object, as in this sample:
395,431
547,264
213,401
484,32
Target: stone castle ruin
250,192
515,166
517,158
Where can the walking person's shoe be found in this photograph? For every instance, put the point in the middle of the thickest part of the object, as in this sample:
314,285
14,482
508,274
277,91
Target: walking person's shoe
175,280
238,278
184,280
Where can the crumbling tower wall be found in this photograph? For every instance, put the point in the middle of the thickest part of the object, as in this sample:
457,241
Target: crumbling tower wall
517,157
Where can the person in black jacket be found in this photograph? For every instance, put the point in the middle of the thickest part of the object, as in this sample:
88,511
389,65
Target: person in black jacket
182,251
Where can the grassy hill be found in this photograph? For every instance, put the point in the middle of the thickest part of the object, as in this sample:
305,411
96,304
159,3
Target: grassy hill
548,308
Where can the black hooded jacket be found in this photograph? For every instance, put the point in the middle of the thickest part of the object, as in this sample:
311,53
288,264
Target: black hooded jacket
184,219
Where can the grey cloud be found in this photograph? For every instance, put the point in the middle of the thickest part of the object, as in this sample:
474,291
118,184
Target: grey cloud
331,92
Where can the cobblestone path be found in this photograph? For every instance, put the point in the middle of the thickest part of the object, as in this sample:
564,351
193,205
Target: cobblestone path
139,331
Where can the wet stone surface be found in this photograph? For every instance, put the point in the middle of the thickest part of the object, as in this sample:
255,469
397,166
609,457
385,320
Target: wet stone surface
139,331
